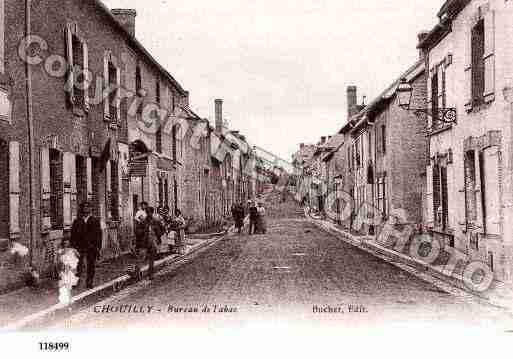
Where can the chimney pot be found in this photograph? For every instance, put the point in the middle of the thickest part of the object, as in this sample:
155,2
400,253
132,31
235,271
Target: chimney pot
126,17
421,36
219,115
352,101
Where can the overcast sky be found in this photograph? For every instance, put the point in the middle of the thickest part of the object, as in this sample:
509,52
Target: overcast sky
282,66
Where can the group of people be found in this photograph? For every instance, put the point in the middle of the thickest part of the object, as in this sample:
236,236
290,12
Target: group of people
151,227
82,249
257,222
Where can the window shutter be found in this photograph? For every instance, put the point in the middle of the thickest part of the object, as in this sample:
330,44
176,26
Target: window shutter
88,80
489,58
429,195
74,191
68,169
89,174
108,189
14,189
491,189
436,192
467,86
106,82
118,94
445,196
70,84
45,189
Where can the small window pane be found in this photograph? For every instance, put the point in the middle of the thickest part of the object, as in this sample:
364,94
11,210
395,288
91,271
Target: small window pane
4,105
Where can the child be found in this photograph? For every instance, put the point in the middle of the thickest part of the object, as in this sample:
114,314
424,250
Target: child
68,262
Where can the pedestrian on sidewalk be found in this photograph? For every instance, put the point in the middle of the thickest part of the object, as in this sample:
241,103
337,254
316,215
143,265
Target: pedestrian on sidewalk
253,218
238,216
180,224
140,226
261,223
154,230
86,238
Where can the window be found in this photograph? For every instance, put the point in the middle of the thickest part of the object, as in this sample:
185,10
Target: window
114,190
470,185
56,189
478,68
440,196
77,80
382,191
78,66
383,139
81,176
434,99
113,107
174,141
4,189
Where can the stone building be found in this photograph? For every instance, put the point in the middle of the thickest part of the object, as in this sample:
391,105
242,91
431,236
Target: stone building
86,75
469,64
388,154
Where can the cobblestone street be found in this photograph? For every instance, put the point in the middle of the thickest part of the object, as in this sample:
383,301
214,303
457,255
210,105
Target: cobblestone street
296,273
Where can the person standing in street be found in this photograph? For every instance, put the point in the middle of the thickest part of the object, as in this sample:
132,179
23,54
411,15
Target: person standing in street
86,238
153,231
238,216
180,232
261,222
140,225
253,218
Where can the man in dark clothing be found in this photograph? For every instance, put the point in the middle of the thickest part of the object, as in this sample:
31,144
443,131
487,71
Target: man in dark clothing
253,217
86,238
238,216
154,230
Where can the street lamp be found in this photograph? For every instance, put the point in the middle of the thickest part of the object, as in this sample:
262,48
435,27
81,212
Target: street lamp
404,94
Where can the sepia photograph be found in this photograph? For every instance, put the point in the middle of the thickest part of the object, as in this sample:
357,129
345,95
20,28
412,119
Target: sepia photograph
181,174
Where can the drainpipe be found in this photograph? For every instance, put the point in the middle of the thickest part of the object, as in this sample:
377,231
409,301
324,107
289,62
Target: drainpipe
30,125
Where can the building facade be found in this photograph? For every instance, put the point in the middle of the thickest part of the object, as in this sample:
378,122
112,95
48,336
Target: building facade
469,59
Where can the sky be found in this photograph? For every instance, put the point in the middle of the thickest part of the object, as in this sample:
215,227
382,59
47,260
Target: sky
281,66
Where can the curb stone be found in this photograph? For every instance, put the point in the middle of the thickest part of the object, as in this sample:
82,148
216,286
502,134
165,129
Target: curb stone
420,269
108,288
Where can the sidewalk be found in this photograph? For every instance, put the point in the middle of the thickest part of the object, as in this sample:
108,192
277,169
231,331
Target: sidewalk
499,294
26,302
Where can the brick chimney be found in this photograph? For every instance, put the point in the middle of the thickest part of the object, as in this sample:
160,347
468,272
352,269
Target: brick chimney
126,17
352,99
421,37
219,115
301,146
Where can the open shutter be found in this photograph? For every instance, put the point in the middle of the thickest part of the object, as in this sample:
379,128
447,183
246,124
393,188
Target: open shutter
86,73
436,193
46,224
106,82
491,189
70,83
68,169
14,189
108,189
489,58
429,196
89,174
74,192
467,85
440,77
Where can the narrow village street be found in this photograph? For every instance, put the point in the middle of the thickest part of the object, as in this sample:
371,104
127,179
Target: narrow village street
287,275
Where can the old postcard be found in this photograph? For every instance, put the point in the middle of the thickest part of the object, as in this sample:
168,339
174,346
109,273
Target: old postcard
181,174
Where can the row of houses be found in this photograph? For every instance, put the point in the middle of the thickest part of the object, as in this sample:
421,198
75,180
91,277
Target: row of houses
435,148
86,113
